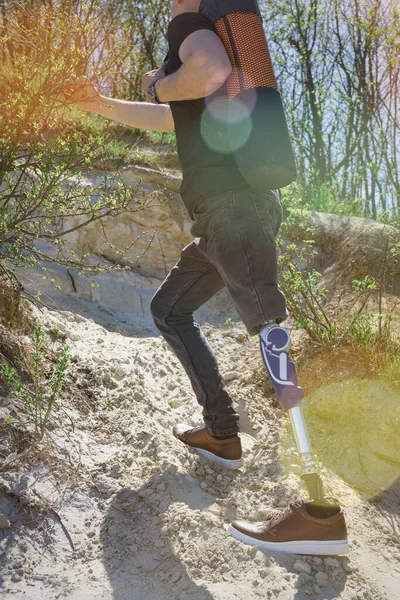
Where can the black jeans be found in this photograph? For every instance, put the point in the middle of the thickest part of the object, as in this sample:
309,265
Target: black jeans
235,248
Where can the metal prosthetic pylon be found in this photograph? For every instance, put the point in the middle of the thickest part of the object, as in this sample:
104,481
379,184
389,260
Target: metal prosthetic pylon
275,344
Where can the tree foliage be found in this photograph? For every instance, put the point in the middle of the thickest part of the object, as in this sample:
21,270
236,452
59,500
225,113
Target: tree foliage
337,65
43,151
338,68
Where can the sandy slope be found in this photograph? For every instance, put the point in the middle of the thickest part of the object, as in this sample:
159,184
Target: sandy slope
147,518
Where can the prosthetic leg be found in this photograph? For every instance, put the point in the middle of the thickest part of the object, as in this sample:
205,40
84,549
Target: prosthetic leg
274,345
317,526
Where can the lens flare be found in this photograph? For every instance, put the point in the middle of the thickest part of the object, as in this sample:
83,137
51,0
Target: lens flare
353,420
226,124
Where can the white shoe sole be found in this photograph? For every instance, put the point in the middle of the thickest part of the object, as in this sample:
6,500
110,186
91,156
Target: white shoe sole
228,464
324,548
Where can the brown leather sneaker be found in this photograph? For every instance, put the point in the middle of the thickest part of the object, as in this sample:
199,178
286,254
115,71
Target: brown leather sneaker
295,530
227,453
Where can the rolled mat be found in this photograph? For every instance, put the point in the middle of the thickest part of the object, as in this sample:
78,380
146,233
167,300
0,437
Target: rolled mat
256,129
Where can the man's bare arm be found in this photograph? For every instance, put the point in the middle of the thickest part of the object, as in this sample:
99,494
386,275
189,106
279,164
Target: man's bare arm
206,66
140,115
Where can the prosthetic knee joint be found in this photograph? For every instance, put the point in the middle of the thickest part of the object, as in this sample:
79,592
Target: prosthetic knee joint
274,345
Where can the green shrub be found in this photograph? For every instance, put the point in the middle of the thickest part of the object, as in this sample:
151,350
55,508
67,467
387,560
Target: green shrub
39,398
307,298
325,199
44,151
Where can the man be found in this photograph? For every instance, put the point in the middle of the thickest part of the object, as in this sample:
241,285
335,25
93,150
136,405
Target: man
234,228
235,225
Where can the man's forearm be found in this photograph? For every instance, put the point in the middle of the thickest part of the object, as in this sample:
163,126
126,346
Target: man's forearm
196,78
140,115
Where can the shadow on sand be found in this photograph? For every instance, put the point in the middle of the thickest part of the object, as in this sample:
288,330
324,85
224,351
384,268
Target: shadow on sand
140,562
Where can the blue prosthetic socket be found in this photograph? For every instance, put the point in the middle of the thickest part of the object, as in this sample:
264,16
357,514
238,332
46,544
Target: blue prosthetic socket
275,344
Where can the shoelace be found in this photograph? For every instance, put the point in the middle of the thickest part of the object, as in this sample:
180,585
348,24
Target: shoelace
292,506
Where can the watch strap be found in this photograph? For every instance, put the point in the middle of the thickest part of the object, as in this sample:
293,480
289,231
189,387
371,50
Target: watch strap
152,90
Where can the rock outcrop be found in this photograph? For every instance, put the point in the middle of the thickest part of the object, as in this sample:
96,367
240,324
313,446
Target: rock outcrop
348,248
351,248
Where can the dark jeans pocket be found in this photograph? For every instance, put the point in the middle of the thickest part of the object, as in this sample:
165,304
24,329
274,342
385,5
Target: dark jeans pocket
212,222
220,220
269,211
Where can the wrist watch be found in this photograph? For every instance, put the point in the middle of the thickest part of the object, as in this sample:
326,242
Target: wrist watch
152,92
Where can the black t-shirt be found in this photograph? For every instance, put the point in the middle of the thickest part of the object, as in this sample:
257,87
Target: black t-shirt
206,169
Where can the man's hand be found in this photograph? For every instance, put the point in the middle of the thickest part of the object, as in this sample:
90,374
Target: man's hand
148,78
81,92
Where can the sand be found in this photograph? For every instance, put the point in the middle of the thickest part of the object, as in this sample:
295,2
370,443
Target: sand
147,518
